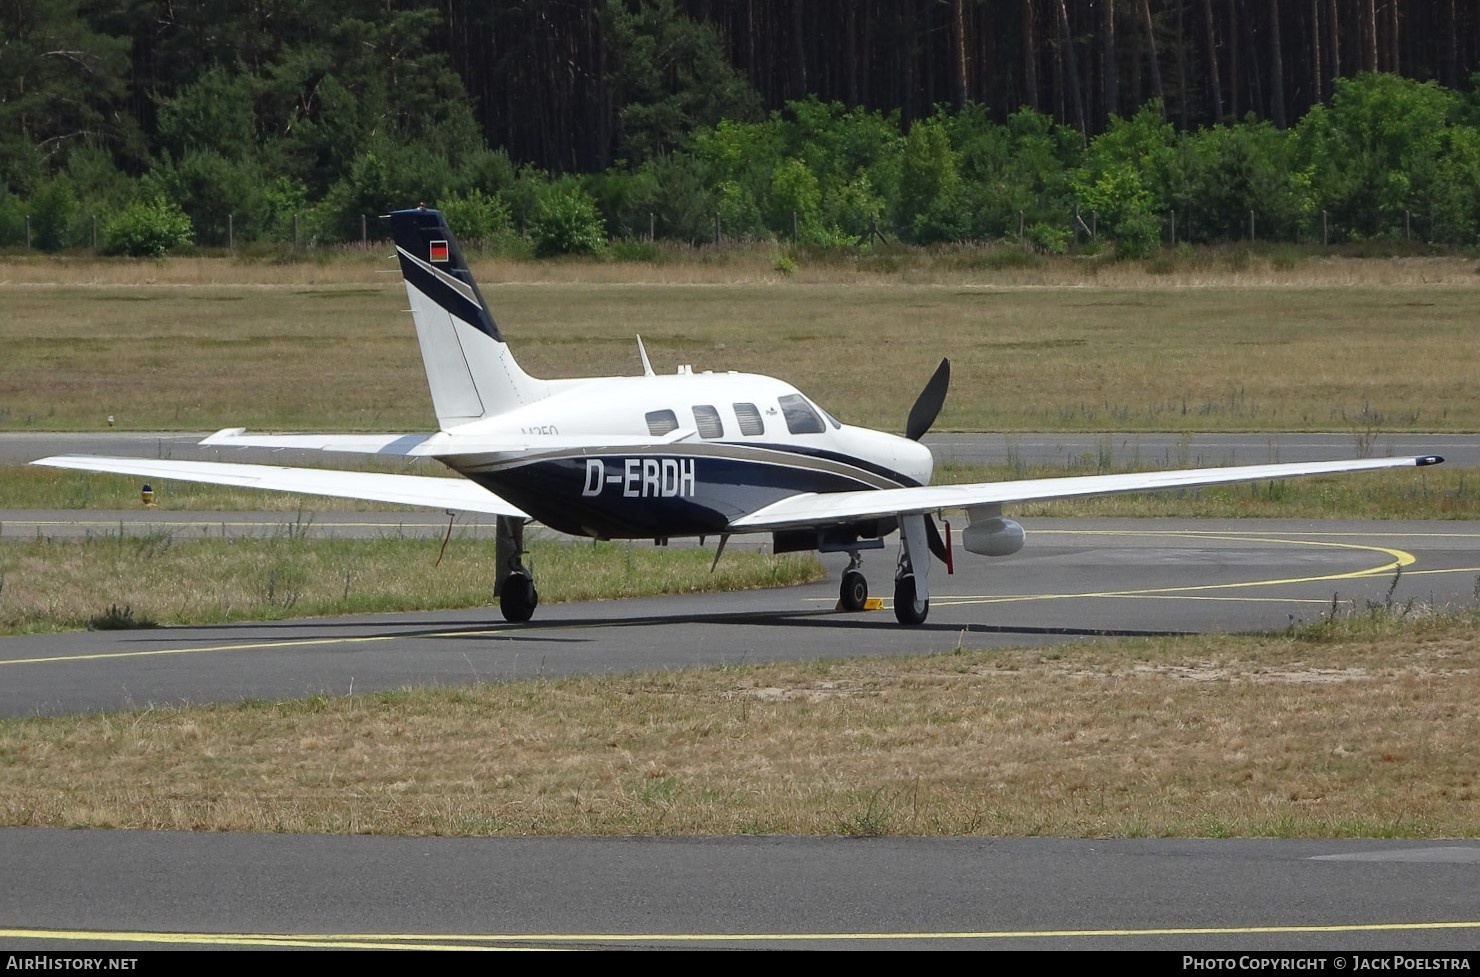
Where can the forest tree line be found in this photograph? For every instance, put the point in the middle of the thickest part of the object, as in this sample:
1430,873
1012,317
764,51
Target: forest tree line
555,124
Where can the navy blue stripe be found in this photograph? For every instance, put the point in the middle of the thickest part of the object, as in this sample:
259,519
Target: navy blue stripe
801,457
852,460
553,491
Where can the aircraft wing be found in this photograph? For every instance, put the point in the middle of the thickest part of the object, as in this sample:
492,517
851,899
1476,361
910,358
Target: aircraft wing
812,509
444,444
420,490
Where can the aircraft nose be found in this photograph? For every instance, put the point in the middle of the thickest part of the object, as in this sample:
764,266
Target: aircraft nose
921,463
909,459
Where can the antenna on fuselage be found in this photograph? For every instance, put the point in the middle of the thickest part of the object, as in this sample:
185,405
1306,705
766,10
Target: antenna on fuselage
647,367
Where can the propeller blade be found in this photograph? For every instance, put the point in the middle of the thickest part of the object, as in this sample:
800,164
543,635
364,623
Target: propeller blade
928,404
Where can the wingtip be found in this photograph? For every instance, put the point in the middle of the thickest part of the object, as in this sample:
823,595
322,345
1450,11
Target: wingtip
1425,460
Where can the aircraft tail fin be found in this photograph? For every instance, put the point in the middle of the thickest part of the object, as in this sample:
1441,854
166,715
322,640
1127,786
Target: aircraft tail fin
469,368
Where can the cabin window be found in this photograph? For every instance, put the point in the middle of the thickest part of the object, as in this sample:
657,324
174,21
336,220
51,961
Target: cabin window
751,423
661,422
706,419
800,417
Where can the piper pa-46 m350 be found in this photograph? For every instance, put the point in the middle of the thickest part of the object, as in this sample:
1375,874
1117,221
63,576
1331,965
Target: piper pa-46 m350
656,457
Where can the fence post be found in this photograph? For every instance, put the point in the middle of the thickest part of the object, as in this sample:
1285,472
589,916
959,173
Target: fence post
95,232
230,232
364,233
1325,236
716,229
652,228
1173,215
1020,225
295,230
793,227
1251,225
28,232
1407,225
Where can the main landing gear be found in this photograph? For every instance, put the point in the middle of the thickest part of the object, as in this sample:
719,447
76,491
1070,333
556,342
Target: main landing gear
514,584
911,576
911,591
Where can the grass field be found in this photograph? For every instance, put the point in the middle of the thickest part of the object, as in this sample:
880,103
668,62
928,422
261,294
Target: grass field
1359,728
196,345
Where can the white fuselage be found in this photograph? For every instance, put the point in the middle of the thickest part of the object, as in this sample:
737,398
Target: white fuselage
719,445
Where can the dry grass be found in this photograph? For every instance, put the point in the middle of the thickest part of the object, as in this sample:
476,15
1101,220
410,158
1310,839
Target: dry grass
1359,732
162,577
198,343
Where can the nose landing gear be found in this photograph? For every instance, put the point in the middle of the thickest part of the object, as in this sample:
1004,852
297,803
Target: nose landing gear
853,592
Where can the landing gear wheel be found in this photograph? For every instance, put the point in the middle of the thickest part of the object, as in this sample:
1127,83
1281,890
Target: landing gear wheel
853,594
906,609
518,598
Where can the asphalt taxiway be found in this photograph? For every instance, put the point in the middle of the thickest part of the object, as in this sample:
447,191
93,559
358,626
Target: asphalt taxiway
1075,579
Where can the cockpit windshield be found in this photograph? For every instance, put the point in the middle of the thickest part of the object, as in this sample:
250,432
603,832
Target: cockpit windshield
800,417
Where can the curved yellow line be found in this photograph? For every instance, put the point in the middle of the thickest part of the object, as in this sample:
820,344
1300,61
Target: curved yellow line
1397,560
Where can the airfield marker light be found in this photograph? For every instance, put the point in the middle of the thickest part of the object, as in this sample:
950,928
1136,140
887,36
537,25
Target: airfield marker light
147,494
110,420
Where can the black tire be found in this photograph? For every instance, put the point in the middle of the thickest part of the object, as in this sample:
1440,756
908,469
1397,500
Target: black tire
853,593
906,609
518,598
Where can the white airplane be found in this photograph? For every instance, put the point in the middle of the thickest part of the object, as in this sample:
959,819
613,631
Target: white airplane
654,457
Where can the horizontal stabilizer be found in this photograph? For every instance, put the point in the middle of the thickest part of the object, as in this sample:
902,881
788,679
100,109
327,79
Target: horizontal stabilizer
446,444
366,444
418,490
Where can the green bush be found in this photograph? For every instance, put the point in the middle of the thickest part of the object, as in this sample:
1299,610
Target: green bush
566,222
1048,239
147,229
12,220
54,215
478,219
